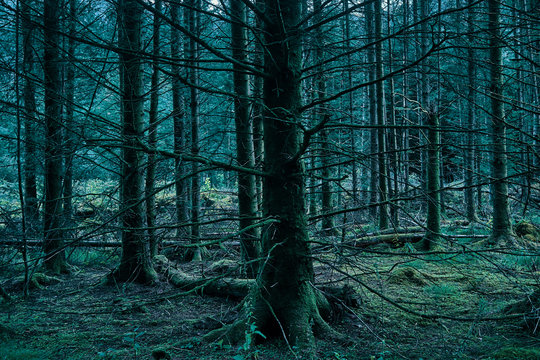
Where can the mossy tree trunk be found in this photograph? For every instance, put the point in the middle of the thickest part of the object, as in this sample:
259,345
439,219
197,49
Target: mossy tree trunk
55,258
136,263
247,194
285,302
501,217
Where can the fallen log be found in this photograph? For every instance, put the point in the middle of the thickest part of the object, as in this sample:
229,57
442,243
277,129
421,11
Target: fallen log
396,240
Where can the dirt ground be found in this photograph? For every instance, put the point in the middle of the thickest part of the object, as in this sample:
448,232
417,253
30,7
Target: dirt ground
410,306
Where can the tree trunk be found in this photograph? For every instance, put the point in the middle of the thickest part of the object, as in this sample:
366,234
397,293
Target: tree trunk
321,114
178,114
381,140
372,112
468,156
30,118
193,76
285,302
247,194
433,226
501,218
152,138
54,258
136,263
69,132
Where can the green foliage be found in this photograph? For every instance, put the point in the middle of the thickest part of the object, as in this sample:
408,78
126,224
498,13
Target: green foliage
131,338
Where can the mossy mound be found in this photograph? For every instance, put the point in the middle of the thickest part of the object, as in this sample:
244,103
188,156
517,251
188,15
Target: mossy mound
527,230
510,352
530,308
407,276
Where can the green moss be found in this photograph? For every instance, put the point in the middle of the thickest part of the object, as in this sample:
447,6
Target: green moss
15,351
521,353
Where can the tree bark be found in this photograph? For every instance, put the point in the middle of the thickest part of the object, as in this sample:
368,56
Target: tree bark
136,263
247,194
193,75
285,302
381,140
433,226
152,138
468,156
178,114
54,258
30,118
501,219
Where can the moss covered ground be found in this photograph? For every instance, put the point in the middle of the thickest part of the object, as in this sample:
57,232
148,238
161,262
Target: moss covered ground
457,302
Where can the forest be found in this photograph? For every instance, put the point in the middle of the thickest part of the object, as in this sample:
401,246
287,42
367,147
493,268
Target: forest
270,179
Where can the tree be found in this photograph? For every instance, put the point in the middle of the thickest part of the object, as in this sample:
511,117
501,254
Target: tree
285,301
152,136
468,155
247,194
30,117
53,244
136,263
502,229
178,114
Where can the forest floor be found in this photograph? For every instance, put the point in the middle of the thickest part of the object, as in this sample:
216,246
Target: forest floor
76,316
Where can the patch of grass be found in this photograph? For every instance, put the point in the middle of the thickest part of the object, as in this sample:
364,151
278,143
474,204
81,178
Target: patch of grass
16,351
521,353
441,290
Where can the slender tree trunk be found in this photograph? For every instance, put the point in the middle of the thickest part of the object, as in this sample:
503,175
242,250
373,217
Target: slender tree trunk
30,119
258,134
152,138
69,137
178,114
192,18
501,218
372,112
136,263
55,259
247,194
468,156
321,113
381,136
285,302
433,180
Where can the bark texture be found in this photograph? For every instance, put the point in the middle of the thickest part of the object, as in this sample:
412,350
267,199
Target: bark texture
55,258
135,264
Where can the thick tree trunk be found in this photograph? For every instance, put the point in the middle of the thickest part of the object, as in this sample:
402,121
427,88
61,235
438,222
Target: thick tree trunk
247,194
501,217
285,303
54,259
152,139
30,118
136,263
178,114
